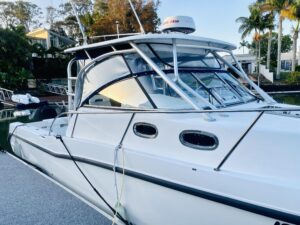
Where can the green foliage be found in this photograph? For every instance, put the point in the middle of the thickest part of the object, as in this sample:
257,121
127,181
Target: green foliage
293,78
256,22
290,78
100,18
286,46
20,13
15,58
297,68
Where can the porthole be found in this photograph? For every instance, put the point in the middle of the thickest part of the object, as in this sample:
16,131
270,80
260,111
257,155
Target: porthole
199,140
145,130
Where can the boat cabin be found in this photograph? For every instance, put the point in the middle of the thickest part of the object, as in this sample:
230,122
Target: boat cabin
159,72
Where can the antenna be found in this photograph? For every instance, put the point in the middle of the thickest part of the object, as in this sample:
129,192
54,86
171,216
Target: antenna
79,23
137,17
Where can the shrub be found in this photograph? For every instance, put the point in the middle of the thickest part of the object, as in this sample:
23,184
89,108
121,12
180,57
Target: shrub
293,78
297,68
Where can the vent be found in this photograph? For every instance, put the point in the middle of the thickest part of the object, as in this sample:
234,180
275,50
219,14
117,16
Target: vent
199,140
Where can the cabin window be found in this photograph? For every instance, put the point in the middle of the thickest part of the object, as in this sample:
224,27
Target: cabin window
104,72
136,63
126,94
163,96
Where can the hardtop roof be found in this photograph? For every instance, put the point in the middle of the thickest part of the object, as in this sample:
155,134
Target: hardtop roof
158,38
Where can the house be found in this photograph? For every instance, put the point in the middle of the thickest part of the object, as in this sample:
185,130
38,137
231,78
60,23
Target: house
49,38
247,61
286,60
49,65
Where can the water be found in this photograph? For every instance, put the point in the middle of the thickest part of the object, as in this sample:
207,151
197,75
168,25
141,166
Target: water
293,99
42,113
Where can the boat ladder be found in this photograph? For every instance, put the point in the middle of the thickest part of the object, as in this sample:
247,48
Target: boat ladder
5,95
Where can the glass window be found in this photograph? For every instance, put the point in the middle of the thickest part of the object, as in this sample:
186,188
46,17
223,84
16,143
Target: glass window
163,96
218,87
126,93
101,74
237,86
199,88
187,57
136,63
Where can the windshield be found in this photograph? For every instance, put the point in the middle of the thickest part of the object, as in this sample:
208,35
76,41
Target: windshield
210,86
187,57
197,68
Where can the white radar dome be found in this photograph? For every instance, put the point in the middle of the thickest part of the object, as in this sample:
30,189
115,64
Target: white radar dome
182,24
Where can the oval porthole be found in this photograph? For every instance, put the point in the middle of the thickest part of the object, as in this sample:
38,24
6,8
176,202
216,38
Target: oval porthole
145,130
199,140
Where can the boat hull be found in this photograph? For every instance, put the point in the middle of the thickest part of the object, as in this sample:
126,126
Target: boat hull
145,200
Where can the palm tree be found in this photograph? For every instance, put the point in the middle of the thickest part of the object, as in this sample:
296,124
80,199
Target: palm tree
254,23
281,8
243,44
295,30
270,26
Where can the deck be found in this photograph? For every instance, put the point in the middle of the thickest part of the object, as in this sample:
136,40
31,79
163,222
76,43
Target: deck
28,198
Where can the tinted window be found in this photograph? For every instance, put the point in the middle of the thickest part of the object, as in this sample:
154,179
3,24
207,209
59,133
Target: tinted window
126,93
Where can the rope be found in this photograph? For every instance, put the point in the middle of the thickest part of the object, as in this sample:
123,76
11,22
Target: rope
89,182
119,197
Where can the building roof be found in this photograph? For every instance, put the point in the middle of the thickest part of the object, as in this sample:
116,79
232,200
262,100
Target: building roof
160,38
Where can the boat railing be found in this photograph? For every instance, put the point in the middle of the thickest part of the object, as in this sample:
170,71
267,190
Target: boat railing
55,88
285,111
7,114
179,86
5,94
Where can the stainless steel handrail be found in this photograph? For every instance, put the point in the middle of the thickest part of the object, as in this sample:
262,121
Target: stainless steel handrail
130,111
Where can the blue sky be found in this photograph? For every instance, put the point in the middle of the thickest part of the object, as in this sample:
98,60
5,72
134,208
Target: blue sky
213,18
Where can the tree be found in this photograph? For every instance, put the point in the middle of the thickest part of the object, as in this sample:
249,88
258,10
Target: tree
7,17
15,57
256,23
295,10
67,19
286,47
20,13
106,13
100,18
51,16
243,44
270,26
282,9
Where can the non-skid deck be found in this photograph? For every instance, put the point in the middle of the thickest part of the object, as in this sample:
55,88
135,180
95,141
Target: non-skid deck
27,197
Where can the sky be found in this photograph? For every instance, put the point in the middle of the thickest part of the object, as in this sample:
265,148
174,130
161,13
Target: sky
213,18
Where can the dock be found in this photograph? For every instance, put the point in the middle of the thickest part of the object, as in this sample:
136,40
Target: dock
29,198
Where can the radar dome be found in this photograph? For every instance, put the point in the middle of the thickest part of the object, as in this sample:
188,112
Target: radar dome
182,24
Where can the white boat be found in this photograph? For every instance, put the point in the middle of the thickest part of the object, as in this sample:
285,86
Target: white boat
160,132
